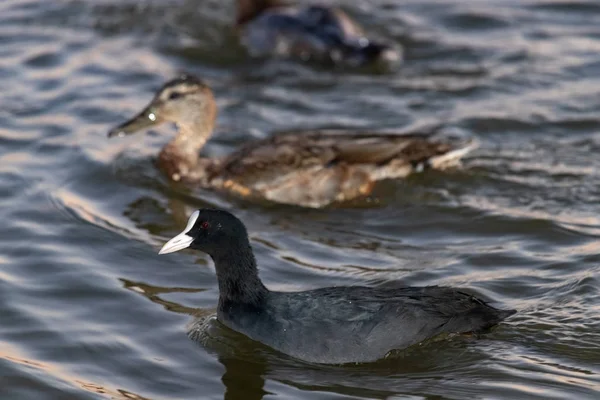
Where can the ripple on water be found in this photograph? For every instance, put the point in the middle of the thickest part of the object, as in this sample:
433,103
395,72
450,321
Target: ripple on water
90,311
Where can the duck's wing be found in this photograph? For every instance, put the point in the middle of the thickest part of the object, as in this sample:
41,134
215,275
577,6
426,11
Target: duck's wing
380,149
296,23
295,151
317,32
276,156
288,31
313,169
343,39
334,24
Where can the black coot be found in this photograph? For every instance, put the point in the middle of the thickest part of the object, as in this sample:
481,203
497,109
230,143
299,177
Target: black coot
330,325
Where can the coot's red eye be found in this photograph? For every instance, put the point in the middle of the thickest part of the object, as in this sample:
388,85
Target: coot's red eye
204,225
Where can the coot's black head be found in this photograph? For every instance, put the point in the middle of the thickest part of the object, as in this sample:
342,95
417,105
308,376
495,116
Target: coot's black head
211,231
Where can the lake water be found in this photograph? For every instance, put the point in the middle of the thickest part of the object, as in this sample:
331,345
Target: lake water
89,310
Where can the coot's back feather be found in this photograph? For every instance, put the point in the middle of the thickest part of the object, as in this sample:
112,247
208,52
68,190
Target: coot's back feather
358,324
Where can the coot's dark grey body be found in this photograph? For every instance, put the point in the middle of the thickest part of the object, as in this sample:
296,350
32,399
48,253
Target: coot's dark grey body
357,324
331,325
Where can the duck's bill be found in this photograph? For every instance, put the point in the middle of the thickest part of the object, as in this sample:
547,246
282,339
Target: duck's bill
143,120
179,242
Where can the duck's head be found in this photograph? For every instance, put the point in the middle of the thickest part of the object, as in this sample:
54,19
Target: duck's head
210,231
186,101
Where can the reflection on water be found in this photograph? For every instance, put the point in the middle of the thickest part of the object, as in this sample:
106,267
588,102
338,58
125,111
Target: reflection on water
84,217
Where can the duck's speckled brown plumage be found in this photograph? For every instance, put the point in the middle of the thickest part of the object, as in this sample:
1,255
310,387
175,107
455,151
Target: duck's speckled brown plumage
310,169
293,151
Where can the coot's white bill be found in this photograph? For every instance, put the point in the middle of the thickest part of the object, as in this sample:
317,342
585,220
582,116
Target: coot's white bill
181,241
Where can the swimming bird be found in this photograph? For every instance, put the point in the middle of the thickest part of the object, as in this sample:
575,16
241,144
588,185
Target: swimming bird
310,169
309,32
331,325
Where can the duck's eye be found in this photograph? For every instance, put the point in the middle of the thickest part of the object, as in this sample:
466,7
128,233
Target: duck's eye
205,225
175,95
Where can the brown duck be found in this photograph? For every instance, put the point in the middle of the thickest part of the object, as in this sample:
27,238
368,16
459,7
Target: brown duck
310,169
309,32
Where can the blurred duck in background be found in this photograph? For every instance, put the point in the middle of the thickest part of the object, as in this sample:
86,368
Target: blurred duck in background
309,32
311,169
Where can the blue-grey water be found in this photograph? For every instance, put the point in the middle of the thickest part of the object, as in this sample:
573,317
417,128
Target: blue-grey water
88,310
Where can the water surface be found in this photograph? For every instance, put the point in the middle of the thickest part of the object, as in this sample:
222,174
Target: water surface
90,311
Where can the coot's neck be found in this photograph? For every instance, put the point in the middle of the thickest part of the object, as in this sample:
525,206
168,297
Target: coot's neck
239,284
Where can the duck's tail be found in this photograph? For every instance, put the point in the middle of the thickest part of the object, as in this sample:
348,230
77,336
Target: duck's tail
452,158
